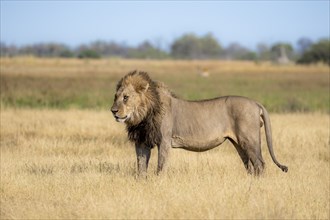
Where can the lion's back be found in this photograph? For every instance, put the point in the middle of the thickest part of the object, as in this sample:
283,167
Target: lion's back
208,118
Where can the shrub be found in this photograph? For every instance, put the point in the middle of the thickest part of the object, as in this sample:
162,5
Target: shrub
89,54
319,52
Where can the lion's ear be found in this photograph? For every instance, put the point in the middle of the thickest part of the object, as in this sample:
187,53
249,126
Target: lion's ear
143,87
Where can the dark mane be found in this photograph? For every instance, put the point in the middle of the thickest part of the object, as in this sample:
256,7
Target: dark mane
148,130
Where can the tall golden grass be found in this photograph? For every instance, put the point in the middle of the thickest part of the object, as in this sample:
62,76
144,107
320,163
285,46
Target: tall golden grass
78,164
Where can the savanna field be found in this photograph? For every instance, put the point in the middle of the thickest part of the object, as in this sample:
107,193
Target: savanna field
63,156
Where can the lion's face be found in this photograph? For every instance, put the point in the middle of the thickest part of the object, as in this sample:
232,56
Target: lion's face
130,104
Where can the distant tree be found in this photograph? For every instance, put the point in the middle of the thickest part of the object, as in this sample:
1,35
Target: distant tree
190,46
263,52
303,44
238,52
210,48
186,47
147,51
115,49
99,47
158,43
66,54
45,49
88,53
282,52
249,56
107,49
276,48
8,50
318,52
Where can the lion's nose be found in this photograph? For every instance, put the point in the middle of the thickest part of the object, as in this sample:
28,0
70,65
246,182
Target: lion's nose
114,110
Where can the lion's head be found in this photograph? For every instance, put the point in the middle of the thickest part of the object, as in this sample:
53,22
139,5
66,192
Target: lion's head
137,104
135,96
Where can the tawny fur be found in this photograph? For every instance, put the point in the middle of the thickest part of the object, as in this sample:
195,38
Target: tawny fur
154,116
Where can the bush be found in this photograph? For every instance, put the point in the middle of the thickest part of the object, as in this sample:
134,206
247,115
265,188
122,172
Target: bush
190,46
89,54
319,52
66,54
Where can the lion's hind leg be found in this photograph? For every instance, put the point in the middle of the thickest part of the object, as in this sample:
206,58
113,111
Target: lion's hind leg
258,163
253,151
245,159
248,138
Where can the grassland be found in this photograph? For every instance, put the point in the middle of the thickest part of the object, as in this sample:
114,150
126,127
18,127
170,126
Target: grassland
89,84
77,164
64,157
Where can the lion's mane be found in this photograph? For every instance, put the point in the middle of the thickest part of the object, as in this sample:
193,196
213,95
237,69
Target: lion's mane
148,129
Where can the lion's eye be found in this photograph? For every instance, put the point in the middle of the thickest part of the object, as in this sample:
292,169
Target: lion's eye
125,98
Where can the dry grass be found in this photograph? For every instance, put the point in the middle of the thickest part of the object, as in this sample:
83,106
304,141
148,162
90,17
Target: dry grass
77,164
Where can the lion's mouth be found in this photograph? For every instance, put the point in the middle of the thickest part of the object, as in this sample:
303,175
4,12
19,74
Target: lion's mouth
120,119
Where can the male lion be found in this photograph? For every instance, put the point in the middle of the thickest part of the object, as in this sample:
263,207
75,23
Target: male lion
155,117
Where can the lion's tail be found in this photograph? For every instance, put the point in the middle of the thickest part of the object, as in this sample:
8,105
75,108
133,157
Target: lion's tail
268,132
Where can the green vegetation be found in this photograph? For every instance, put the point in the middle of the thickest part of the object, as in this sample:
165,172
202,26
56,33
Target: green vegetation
277,50
319,52
188,46
88,53
147,51
90,84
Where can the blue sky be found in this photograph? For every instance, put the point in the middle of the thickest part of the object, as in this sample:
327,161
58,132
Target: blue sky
131,22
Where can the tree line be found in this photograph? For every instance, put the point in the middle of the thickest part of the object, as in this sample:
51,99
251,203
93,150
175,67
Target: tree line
188,46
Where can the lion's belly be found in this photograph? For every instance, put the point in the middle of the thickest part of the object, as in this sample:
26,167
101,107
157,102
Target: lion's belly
197,134
198,126
194,144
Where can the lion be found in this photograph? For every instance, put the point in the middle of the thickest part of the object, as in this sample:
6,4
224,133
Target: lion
154,116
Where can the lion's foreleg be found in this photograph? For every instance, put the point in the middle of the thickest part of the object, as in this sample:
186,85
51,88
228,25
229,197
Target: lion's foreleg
163,154
143,156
